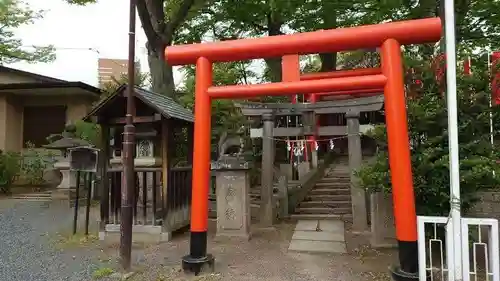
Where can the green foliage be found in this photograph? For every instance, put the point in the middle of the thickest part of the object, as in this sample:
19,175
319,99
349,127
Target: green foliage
140,80
14,14
90,132
225,116
9,170
428,133
478,22
223,111
34,163
81,2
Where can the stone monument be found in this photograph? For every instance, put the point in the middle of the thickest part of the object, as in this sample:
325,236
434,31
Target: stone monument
232,189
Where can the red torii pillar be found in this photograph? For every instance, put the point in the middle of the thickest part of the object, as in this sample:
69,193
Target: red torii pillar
388,37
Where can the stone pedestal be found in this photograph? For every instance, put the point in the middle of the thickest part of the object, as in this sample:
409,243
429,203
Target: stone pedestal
233,198
68,180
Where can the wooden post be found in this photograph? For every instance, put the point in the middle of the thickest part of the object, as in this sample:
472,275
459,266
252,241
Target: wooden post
190,136
104,179
165,169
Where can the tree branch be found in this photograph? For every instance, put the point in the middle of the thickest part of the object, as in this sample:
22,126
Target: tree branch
259,27
177,20
157,13
144,15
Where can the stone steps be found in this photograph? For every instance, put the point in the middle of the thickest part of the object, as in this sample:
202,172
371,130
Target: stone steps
334,176
337,184
327,191
328,197
323,210
325,204
35,196
346,217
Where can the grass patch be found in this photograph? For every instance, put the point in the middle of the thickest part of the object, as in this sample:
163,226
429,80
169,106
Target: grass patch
102,272
77,240
176,274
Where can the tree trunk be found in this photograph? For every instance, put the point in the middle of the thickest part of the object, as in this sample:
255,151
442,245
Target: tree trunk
328,62
328,14
274,64
162,76
274,68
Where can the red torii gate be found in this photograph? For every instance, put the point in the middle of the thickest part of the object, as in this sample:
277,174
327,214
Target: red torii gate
388,37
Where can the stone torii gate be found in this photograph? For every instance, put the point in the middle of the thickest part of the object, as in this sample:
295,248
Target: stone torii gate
351,107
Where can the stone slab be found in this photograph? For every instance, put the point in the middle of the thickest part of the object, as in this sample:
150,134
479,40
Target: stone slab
318,236
336,226
317,246
306,225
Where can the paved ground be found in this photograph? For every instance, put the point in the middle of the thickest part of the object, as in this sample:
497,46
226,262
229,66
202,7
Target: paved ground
319,236
31,248
266,258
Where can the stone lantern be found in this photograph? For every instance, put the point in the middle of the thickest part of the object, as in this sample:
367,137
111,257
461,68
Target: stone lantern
63,142
146,149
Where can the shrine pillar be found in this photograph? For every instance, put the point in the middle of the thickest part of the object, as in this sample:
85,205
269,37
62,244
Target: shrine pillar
267,171
358,199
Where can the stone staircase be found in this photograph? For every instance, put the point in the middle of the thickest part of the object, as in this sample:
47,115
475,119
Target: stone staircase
331,196
43,196
51,195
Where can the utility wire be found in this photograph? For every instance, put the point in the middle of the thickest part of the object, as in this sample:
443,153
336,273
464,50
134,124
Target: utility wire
115,61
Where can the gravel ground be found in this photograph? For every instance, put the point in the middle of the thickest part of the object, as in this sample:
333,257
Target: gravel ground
32,247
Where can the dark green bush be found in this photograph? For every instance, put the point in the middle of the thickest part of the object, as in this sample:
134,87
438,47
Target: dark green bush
428,137
9,170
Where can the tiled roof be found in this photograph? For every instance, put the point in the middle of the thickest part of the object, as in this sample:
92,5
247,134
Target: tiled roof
165,105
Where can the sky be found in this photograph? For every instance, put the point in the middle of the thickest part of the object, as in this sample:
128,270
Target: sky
81,35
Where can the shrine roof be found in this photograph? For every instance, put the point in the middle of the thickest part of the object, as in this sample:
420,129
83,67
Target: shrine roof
163,104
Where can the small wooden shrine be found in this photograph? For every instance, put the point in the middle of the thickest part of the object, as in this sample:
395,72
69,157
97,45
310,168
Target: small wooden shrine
164,135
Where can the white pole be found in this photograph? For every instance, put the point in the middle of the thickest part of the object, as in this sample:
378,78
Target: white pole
451,89
491,105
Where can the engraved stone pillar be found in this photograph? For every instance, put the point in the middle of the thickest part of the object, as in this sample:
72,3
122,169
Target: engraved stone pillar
382,221
359,212
314,158
266,192
287,170
304,168
309,129
233,197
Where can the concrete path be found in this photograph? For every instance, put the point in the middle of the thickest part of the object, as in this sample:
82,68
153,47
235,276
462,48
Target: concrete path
318,236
